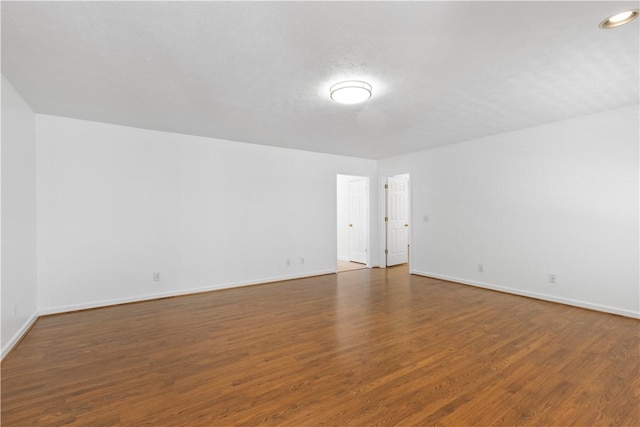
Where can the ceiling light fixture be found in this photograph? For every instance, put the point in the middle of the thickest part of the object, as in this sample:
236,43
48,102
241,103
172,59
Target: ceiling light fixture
350,92
619,19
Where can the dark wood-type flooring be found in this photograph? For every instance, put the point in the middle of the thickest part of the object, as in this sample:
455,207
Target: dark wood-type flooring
361,348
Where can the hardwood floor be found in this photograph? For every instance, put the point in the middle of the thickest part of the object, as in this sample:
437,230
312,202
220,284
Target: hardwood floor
348,266
360,348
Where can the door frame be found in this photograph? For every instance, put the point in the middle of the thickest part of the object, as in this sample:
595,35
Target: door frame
383,214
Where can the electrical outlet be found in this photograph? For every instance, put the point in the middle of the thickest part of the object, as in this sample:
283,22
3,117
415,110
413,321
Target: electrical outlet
425,218
481,268
552,278
156,277
288,262
301,261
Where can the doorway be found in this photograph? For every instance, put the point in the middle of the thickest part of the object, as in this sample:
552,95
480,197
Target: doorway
397,219
353,222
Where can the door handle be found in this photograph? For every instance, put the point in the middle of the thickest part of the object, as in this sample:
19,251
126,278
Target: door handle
350,225
406,225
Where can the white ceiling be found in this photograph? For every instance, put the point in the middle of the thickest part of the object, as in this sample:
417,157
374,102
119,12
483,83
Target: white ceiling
259,72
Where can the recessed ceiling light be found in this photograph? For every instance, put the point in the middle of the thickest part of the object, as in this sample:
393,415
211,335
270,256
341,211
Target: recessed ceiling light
619,19
350,92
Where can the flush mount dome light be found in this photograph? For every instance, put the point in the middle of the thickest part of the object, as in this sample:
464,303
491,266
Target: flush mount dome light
350,92
619,19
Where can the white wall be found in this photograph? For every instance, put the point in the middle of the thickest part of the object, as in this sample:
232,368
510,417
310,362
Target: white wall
557,199
19,280
116,204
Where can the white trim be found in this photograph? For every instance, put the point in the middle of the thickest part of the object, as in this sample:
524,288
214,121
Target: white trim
545,297
62,309
343,258
106,303
18,335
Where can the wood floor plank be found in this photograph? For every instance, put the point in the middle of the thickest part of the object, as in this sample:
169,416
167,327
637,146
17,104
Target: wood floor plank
367,347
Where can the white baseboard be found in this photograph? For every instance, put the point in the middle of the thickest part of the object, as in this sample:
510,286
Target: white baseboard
536,295
343,258
62,309
18,335
138,298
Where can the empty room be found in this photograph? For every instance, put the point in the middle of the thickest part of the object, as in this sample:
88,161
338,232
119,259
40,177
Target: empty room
320,213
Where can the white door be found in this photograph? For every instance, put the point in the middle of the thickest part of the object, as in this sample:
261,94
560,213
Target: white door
357,221
397,219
